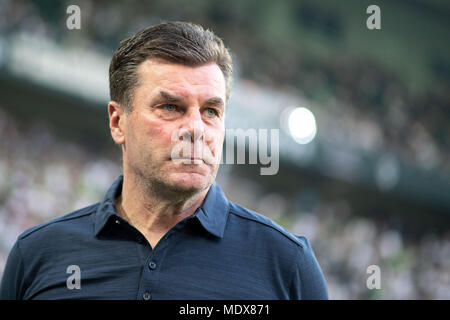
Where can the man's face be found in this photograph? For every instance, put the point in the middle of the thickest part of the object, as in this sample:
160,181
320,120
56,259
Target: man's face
178,112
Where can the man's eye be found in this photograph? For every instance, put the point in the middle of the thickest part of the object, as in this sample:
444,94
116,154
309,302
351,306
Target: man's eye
169,107
211,112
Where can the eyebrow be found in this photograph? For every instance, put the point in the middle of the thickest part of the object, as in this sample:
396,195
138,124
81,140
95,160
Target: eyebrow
165,96
215,101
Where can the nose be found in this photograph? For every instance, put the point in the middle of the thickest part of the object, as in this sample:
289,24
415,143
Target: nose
193,127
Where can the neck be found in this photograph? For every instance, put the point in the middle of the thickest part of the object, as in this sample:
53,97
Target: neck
154,210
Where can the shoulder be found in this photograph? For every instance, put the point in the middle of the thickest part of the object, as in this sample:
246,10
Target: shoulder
267,226
62,223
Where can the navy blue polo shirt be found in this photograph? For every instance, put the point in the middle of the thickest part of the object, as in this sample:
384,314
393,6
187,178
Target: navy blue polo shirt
222,251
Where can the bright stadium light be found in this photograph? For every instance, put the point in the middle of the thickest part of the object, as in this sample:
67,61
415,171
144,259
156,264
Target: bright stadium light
302,125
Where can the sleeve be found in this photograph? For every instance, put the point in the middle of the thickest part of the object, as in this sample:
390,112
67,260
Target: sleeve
308,282
11,284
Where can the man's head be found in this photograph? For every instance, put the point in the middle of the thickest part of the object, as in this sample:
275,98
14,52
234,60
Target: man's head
177,42
169,87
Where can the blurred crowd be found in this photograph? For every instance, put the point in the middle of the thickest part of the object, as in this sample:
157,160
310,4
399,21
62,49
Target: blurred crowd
45,176
370,107
375,111
347,247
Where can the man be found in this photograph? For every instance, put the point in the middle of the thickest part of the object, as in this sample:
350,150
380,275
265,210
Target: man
165,230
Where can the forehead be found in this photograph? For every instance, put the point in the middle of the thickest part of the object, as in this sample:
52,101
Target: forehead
201,81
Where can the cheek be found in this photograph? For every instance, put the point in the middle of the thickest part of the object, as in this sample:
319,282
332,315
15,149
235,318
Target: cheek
155,132
148,136
215,139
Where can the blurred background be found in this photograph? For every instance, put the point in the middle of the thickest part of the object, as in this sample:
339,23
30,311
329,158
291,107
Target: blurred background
364,166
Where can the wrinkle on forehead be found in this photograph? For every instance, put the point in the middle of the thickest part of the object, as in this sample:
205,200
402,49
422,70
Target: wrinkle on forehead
206,80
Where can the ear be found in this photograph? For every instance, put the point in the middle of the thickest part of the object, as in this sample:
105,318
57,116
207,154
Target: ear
117,122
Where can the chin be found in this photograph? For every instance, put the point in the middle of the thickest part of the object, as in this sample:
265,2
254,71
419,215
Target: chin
190,181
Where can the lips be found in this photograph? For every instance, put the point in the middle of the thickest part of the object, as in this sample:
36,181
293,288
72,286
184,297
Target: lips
197,156
191,160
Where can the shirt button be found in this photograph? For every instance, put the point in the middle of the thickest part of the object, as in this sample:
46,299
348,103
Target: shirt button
140,239
152,265
147,296
117,221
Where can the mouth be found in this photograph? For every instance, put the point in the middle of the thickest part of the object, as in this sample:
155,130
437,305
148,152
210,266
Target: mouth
191,160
